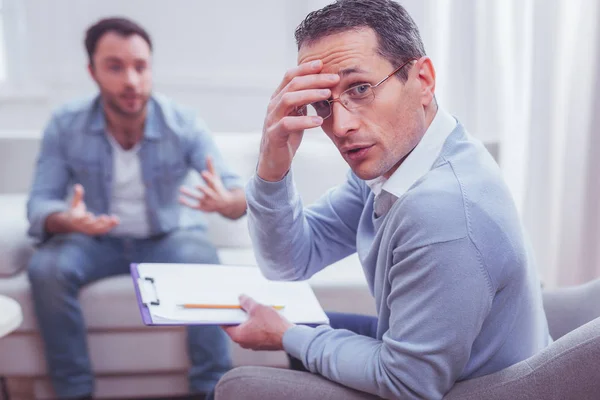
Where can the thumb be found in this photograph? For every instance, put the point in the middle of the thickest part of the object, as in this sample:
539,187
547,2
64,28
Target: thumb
210,165
248,304
77,196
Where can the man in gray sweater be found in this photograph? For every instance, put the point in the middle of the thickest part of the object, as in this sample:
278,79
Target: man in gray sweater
424,205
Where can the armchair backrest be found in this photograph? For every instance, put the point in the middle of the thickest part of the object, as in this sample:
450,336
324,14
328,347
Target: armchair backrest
571,307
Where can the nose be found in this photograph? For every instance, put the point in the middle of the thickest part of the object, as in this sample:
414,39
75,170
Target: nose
343,122
132,77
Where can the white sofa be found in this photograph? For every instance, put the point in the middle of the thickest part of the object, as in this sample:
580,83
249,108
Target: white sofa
131,359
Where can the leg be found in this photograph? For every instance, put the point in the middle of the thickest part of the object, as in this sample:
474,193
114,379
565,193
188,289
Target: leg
360,324
57,271
208,346
365,325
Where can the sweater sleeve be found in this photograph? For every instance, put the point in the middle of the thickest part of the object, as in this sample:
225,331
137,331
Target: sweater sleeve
292,243
439,299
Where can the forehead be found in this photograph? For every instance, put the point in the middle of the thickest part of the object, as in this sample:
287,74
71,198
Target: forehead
344,50
114,45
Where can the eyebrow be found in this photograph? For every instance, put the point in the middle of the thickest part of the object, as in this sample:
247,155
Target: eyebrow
112,59
349,71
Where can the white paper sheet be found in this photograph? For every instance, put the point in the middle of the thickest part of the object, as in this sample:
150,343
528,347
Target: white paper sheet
176,284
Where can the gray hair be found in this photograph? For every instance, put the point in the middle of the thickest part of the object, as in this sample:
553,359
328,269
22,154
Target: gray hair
397,34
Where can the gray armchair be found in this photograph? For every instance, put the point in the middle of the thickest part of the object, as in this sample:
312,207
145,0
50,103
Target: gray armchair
567,369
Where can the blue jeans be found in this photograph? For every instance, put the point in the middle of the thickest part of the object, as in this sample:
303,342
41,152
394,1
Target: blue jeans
364,325
66,263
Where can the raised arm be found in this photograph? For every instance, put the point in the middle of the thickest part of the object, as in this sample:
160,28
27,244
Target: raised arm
292,243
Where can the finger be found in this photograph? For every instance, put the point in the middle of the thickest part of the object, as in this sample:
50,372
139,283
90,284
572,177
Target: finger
190,193
313,67
248,304
108,220
208,177
306,83
290,102
102,222
210,165
191,204
83,219
294,124
77,195
233,332
208,192
211,180
312,81
102,219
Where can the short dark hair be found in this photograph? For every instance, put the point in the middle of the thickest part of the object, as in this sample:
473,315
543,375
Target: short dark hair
122,26
397,34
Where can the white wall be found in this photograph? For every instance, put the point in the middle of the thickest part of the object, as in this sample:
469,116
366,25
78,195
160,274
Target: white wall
222,57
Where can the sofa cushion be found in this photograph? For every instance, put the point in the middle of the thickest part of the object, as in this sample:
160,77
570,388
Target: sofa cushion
15,247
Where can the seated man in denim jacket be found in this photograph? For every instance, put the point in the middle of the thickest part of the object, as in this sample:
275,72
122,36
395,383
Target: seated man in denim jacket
129,152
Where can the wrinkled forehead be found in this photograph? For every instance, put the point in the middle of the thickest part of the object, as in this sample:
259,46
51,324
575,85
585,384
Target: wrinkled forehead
342,51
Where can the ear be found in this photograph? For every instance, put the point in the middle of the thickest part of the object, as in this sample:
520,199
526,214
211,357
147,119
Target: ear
92,71
426,79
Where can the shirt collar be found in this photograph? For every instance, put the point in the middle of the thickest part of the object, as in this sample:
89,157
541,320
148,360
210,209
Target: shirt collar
420,160
97,122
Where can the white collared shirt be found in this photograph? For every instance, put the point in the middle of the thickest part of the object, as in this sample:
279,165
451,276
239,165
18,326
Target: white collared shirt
417,164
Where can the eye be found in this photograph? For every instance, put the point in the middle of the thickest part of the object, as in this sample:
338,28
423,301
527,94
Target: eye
321,105
359,91
140,68
114,68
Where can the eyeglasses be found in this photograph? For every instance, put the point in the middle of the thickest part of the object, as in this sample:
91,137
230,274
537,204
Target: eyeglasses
351,99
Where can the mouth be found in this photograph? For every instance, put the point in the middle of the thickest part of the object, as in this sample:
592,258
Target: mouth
129,97
356,152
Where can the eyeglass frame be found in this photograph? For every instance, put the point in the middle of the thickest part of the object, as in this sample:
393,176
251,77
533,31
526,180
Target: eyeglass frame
302,111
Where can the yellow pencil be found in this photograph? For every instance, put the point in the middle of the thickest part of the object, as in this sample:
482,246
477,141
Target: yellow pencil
221,306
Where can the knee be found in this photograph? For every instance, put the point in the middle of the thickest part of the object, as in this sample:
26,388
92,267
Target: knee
51,269
38,270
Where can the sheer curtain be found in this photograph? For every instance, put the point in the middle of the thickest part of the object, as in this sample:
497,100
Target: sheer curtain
558,171
525,73
2,54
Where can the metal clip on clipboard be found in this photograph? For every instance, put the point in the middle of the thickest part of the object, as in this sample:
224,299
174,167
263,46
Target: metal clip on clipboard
147,285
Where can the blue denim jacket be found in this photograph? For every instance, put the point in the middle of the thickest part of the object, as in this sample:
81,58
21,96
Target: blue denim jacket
75,149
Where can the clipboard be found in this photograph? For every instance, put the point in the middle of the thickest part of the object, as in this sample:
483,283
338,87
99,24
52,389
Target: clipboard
162,288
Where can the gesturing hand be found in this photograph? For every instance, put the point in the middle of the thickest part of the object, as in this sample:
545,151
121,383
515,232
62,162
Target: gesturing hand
82,221
212,197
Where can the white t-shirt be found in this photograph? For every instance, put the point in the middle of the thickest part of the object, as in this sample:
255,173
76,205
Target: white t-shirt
128,198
